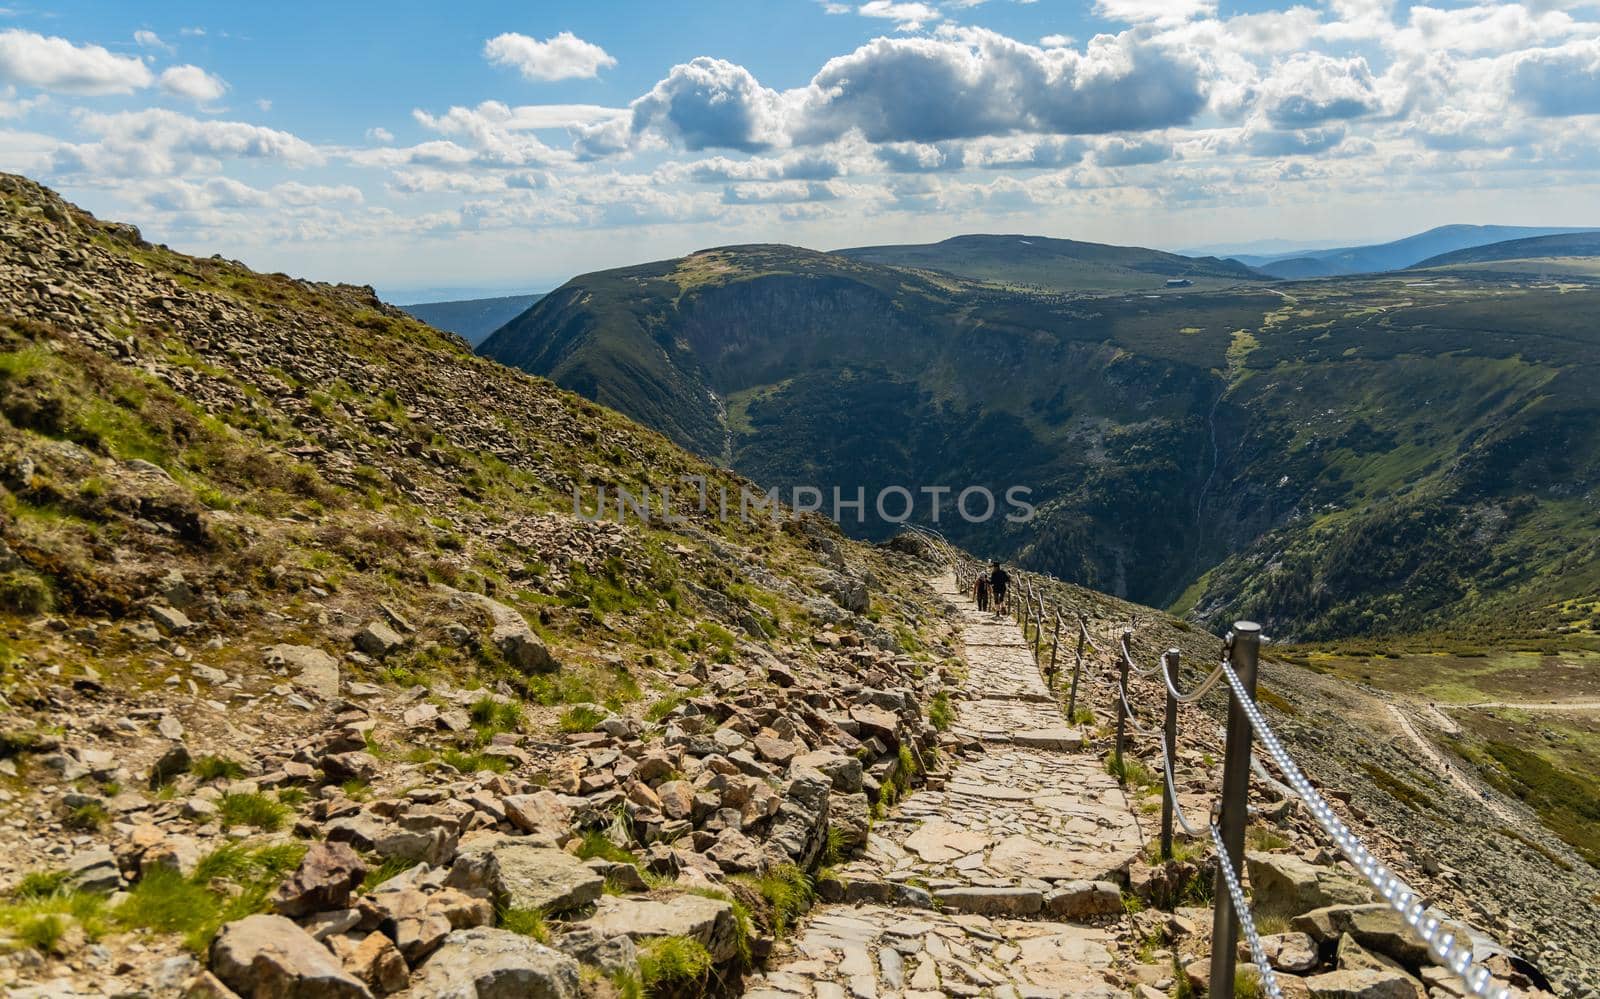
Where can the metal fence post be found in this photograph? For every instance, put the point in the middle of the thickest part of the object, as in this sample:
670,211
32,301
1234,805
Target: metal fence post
1122,707
1055,645
1169,729
1077,670
1244,654
1038,618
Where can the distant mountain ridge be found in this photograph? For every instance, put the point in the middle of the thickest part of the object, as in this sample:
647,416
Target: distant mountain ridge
1400,253
1575,244
1061,265
1371,456
472,319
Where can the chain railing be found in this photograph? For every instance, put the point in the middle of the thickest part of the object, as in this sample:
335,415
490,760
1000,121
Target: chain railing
1226,830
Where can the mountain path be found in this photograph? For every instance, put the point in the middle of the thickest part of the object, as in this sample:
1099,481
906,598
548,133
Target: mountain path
1455,776
1008,846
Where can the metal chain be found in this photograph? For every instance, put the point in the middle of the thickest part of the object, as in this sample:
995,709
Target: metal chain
1442,943
1269,980
1172,791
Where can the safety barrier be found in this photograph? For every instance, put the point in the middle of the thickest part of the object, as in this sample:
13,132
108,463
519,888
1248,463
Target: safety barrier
1226,826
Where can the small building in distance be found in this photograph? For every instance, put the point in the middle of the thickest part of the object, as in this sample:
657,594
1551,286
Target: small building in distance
1179,283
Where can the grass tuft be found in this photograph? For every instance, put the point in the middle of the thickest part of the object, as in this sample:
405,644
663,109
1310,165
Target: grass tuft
253,809
673,961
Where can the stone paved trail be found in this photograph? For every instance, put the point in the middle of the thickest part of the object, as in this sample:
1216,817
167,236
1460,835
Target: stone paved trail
1016,850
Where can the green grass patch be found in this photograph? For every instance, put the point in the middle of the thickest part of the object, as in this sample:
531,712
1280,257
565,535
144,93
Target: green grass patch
673,962
941,713
216,768
230,883
597,844
788,890
471,763
663,705
581,718
253,809
527,922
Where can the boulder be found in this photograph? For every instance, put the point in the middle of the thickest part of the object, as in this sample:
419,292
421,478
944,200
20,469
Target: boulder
708,920
93,871
1364,984
799,831
611,954
845,771
1292,952
1376,927
511,634
484,963
269,957
519,875
374,959
327,875
1081,899
315,671
850,816
1287,884
173,761
378,640
991,901
540,814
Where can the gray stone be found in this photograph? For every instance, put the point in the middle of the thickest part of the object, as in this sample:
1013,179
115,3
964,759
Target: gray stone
1068,739
327,874
269,957
1364,984
992,901
708,920
173,762
1288,884
611,954
522,876
850,815
94,871
171,620
378,640
315,671
511,634
1079,899
484,963
844,771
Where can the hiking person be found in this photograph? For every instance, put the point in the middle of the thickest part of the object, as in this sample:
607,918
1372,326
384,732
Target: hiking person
998,581
983,591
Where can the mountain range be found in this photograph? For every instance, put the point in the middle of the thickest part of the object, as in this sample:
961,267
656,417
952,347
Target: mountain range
1343,457
1395,255
472,319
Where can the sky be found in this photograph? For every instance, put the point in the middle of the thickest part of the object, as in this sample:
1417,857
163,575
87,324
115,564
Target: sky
451,150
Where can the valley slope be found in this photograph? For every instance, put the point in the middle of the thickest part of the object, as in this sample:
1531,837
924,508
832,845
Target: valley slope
1363,456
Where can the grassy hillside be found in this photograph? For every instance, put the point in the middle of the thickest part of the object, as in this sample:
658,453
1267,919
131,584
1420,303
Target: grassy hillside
1058,265
1359,457
1581,244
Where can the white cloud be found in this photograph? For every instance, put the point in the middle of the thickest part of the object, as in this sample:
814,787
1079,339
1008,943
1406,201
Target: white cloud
193,83
1055,41
564,57
150,40
52,63
972,82
263,104
1154,11
379,134
712,104
157,142
1559,82
13,107
1310,88
907,16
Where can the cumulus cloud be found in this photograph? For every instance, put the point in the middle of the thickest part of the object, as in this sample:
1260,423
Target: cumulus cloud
907,16
1120,152
378,133
1154,11
564,57
192,83
1311,88
975,82
52,63
161,142
712,104
1559,82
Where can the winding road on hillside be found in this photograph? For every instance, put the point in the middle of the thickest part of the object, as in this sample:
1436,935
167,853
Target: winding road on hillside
1437,760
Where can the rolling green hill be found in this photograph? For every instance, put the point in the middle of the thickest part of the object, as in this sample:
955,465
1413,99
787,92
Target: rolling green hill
1400,253
1352,457
1060,265
1576,244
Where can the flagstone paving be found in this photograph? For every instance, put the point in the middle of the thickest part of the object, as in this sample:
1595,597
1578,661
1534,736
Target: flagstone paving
1018,850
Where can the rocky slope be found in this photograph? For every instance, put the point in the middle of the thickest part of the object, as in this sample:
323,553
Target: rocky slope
313,682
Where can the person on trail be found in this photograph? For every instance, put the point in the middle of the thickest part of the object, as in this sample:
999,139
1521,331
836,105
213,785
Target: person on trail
998,581
983,591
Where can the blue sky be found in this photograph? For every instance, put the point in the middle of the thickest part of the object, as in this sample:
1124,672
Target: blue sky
453,149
